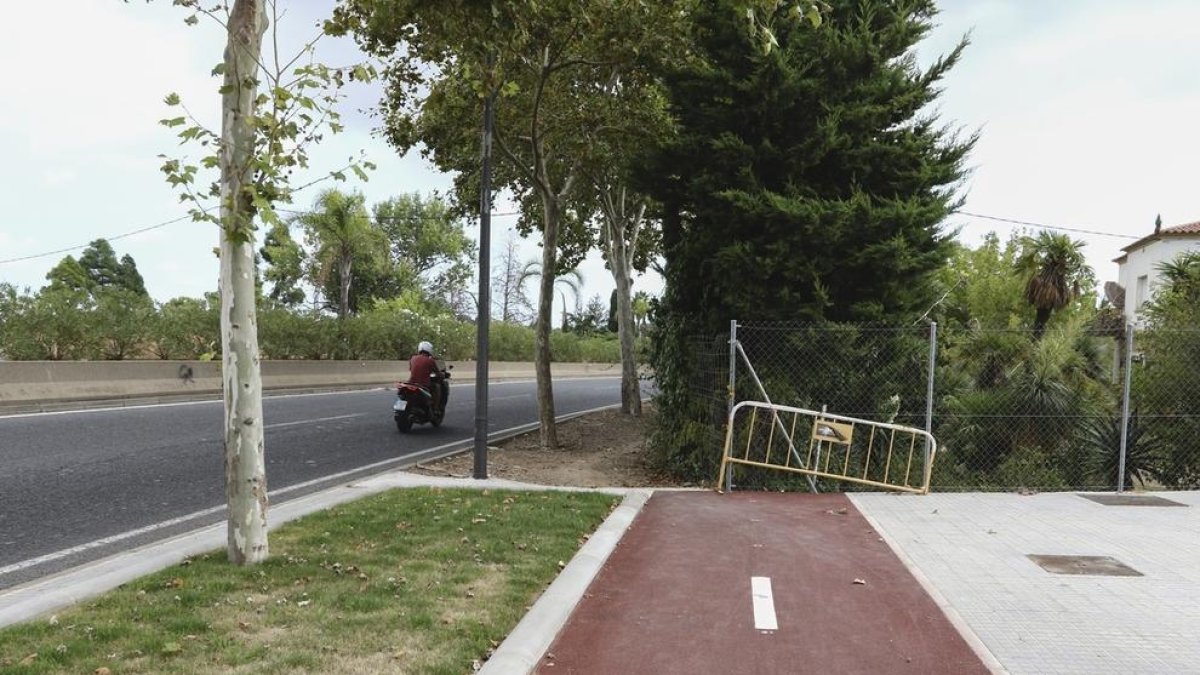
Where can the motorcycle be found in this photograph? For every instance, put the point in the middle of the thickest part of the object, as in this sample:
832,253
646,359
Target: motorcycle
414,403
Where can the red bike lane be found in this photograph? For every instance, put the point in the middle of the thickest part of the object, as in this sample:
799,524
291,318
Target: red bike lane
676,595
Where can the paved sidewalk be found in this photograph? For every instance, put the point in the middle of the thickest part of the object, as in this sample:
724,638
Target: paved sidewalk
972,550
677,595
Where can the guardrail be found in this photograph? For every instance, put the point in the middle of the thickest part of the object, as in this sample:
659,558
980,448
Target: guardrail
34,386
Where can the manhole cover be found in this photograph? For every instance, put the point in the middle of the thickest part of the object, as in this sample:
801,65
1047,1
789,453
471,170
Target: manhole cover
1094,565
1131,500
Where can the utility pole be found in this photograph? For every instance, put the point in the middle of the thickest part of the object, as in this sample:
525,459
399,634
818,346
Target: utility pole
483,322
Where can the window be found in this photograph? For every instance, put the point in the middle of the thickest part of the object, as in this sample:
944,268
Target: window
1142,290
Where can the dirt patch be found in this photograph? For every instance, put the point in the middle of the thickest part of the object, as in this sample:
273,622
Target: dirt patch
603,449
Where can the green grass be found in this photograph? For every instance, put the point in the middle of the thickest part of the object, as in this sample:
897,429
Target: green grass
413,581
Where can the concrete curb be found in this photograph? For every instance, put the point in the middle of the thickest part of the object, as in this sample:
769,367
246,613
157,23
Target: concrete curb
960,624
524,647
26,602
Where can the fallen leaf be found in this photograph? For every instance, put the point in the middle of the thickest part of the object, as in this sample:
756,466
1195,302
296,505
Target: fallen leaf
244,626
28,660
102,671
860,582
53,620
172,648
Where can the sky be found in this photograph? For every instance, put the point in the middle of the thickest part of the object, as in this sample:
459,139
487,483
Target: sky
1088,113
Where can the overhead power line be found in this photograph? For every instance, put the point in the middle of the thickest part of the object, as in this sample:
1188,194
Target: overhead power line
112,238
501,214
1046,227
156,226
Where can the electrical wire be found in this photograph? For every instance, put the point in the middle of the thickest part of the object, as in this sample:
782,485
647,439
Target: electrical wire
503,214
156,226
1046,227
112,238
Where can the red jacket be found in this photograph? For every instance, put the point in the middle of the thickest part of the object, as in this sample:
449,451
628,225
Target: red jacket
421,368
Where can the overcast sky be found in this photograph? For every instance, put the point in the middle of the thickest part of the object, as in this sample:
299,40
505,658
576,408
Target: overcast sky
1089,112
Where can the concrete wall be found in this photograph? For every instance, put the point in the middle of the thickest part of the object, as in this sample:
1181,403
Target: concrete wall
48,385
1144,262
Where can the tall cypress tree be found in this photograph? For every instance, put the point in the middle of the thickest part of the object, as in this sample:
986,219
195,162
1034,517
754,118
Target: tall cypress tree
809,182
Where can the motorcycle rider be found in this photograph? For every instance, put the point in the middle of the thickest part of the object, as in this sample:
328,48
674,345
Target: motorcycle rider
424,371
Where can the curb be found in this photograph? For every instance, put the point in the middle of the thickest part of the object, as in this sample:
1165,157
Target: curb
48,594
524,647
960,624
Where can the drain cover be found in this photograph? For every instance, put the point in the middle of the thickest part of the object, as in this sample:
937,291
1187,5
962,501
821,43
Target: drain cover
1094,565
1131,500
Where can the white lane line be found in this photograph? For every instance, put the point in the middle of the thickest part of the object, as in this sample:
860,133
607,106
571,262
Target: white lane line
24,564
764,604
57,555
315,420
114,409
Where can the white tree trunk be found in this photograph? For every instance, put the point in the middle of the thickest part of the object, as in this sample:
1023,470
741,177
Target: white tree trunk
245,467
620,234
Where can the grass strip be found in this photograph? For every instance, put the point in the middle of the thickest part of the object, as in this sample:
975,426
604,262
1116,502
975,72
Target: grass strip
409,581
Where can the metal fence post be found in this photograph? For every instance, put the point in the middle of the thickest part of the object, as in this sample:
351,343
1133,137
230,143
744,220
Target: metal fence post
929,396
1125,406
732,393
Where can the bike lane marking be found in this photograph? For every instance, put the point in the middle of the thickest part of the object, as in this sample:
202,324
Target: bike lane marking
764,604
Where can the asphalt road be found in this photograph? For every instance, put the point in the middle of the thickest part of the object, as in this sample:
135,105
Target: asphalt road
78,486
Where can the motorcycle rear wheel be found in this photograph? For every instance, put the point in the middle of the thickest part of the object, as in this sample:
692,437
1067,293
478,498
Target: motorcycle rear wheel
403,423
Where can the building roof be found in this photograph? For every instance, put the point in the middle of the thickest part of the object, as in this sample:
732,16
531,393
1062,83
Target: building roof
1185,230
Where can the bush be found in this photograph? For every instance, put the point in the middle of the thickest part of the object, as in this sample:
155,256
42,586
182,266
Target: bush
510,342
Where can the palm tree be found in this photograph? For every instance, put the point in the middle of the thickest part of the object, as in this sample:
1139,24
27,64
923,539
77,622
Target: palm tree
570,280
641,310
1057,274
340,231
1181,275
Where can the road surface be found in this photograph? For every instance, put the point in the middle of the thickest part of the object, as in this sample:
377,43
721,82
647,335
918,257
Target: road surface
78,486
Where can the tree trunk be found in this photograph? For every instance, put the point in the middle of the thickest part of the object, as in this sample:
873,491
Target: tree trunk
1040,321
620,235
631,397
344,271
245,467
541,339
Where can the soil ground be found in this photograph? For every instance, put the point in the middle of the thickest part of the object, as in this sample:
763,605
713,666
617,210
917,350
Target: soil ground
603,449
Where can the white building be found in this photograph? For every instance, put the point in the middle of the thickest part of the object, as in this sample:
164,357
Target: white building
1138,265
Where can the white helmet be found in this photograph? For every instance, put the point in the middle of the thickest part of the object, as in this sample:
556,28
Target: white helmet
425,346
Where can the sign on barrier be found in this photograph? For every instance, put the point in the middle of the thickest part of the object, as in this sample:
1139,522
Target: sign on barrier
878,454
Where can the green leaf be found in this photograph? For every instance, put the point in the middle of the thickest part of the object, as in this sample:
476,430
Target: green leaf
172,122
814,16
219,69
171,99
172,648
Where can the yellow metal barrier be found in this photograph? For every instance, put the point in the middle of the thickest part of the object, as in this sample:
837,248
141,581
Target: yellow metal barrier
859,451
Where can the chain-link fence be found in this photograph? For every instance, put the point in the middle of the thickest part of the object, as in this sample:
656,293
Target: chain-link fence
1071,409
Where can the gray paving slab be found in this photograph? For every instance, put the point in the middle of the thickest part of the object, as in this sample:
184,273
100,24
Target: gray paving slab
971,552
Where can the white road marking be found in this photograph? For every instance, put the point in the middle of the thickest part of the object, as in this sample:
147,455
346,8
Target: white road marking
314,421
32,562
117,408
764,604
58,555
